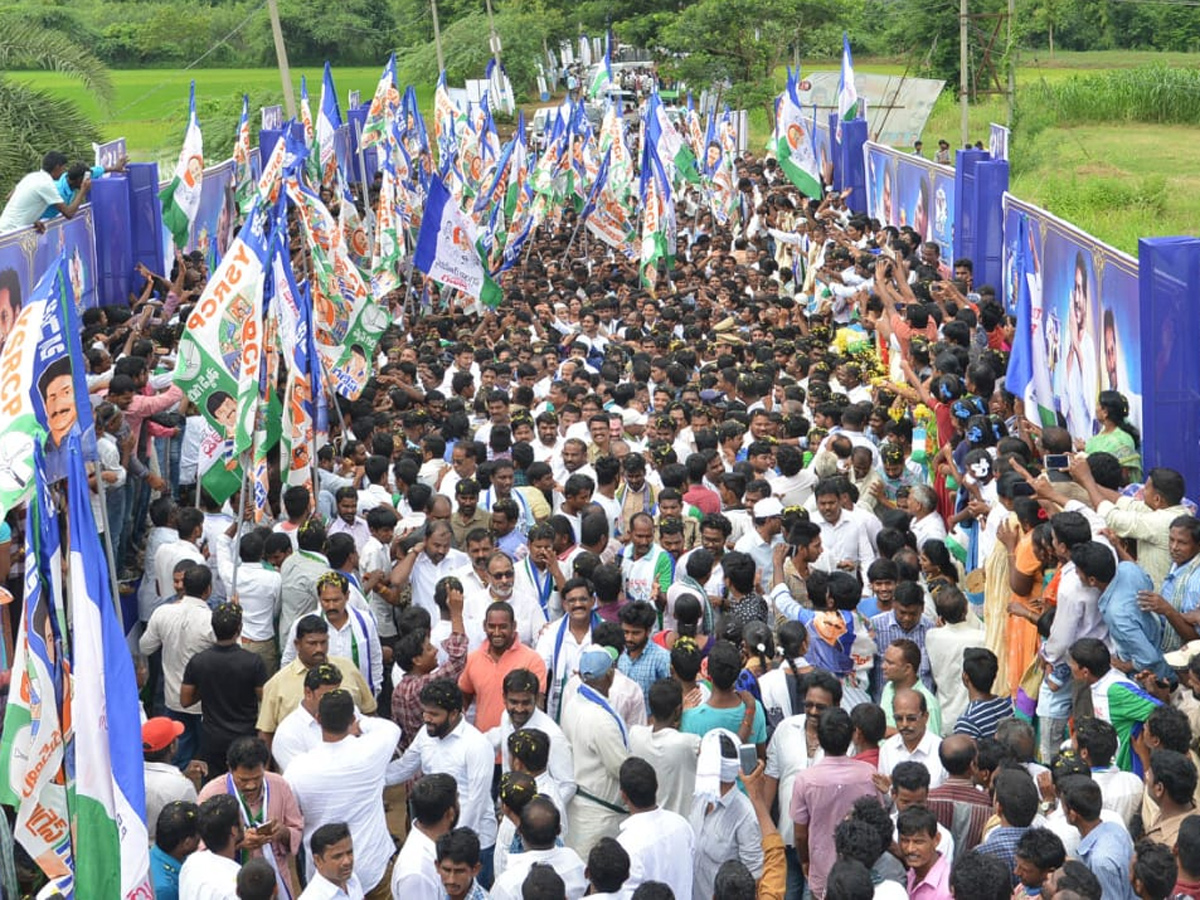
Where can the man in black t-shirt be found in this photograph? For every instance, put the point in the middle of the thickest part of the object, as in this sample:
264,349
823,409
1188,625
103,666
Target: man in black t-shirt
228,681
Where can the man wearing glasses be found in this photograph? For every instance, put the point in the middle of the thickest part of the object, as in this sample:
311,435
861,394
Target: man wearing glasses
913,740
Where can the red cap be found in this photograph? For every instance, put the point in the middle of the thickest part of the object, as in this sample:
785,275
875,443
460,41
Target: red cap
158,733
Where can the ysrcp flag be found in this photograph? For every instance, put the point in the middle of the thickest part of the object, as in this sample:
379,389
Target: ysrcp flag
181,198
794,143
223,332
348,322
290,306
447,251
37,727
109,801
41,387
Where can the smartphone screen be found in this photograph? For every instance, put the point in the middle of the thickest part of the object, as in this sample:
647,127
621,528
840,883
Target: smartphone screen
748,755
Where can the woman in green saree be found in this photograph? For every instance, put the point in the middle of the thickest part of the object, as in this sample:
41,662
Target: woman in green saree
1117,436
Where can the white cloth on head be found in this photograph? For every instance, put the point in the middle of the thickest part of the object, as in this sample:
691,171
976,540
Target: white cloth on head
713,769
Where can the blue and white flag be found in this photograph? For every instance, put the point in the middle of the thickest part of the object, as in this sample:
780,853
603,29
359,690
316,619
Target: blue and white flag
447,249
847,92
112,858
1019,376
329,120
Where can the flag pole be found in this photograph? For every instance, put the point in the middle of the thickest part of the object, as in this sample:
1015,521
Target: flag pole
241,511
101,492
362,170
574,231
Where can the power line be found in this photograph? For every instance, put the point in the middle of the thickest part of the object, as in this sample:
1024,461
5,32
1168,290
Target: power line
195,62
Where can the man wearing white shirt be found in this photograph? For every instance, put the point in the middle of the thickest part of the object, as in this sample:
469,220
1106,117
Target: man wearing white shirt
913,740
660,843
300,731
563,640
462,468
376,492
259,594
352,632
348,520
539,829
434,804
333,855
191,531
547,447
671,752
599,743
342,780
427,563
1096,743
521,689
927,524
844,537
182,629
450,744
162,517
945,646
218,544
211,874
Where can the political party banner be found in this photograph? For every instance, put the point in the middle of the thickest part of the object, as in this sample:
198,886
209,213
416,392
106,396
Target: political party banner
25,256
897,107
60,398
43,388
907,190
998,141
823,141
217,214
1081,332
37,724
348,321
223,331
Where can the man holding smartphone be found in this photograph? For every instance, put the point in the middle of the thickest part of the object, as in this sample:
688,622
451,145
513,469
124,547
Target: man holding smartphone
270,814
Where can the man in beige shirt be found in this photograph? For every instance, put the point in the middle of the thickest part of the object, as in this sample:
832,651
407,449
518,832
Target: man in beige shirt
283,693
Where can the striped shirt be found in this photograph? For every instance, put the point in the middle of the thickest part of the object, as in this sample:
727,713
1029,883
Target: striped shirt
981,717
886,629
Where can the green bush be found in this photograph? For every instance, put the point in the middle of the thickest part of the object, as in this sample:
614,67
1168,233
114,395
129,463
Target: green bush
1154,94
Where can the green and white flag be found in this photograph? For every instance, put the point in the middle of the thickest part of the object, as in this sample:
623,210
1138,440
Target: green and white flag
794,143
603,77
676,156
243,172
181,198
222,343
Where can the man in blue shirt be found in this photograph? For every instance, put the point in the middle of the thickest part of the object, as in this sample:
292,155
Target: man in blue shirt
1016,799
175,839
79,177
1106,847
642,660
1136,633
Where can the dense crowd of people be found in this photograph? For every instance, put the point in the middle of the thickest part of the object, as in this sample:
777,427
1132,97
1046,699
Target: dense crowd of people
758,584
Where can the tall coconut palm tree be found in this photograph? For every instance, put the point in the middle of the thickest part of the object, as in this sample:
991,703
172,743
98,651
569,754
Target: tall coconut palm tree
33,121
